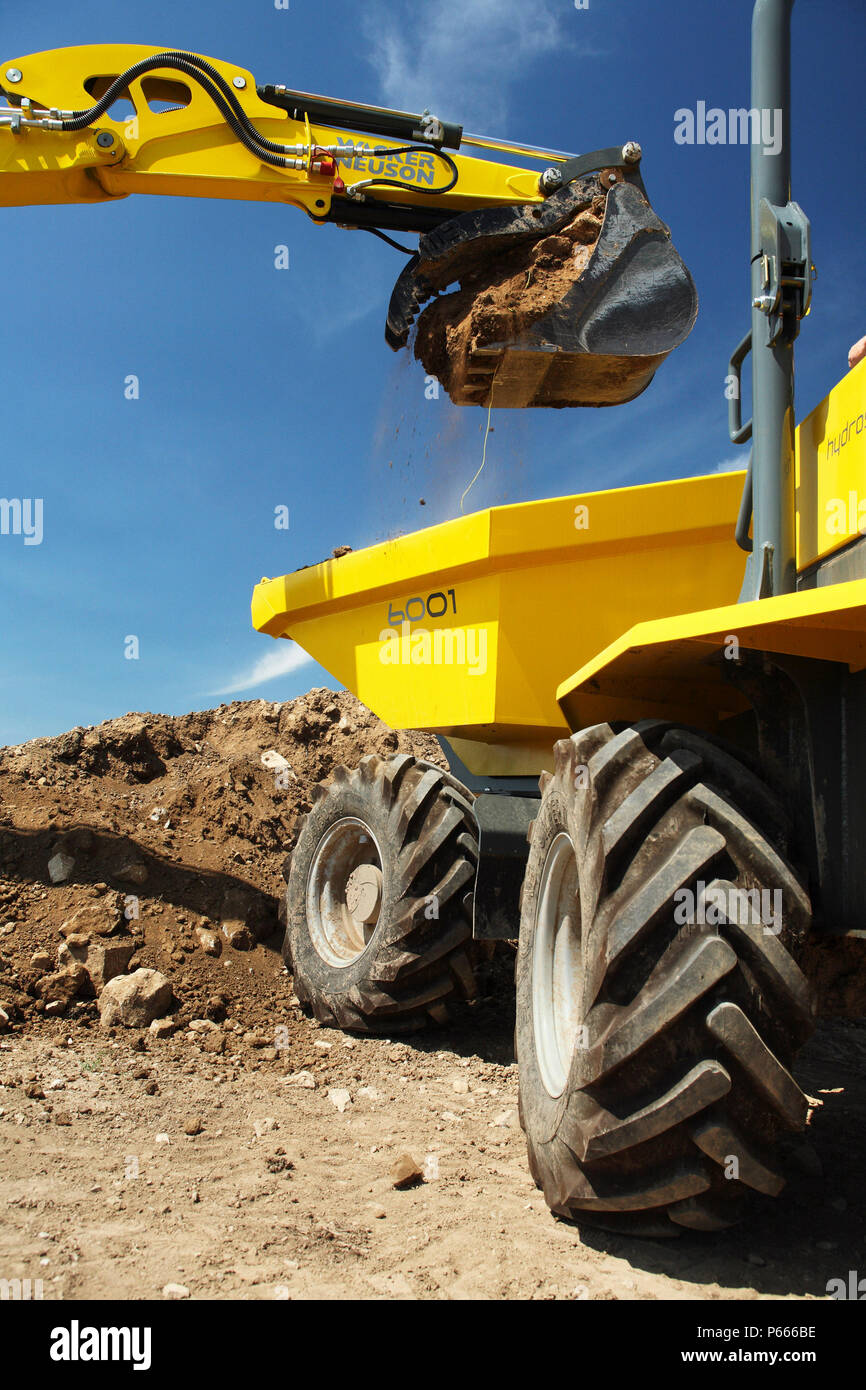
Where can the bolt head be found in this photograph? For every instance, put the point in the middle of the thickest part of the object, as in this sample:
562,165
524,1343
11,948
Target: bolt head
550,180
632,152
239,82
105,139
13,74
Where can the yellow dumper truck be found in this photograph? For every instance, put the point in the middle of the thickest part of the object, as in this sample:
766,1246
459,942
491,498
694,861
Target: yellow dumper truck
651,701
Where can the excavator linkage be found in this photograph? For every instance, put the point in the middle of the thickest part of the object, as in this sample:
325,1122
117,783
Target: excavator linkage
572,302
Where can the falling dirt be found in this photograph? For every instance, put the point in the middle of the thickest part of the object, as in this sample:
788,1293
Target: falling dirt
529,281
240,1150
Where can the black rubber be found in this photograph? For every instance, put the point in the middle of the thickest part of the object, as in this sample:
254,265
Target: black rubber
679,1084
417,959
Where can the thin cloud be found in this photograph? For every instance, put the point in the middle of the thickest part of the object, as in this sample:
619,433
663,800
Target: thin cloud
457,60
282,661
733,465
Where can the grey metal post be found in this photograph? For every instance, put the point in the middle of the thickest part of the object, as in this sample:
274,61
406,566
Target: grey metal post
773,565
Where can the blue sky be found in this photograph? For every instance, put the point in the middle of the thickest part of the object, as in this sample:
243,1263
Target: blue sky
262,387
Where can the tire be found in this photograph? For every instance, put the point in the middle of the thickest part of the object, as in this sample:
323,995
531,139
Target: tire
654,1051
378,902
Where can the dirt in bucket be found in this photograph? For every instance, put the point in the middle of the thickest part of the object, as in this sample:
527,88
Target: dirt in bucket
499,298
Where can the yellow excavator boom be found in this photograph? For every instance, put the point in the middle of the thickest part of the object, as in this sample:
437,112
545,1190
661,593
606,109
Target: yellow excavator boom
93,123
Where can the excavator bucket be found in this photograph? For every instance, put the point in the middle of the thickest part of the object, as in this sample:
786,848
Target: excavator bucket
572,302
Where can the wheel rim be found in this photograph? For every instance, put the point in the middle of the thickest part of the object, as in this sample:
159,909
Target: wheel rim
556,966
344,891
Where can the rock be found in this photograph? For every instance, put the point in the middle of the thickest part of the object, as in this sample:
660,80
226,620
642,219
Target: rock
194,1125
265,1126
133,872
77,938
34,1091
215,1008
41,960
256,1040
55,1007
276,762
209,941
278,1163
460,1085
96,919
163,1027
304,1079
135,1000
340,1099
235,920
377,1212
64,985
102,960
175,1291
505,1118
369,1092
214,1042
60,867
203,1025
406,1173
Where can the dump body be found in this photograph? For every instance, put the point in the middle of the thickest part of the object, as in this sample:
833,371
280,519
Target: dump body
676,669
467,628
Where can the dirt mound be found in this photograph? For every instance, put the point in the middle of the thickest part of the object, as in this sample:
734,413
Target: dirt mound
166,836
530,280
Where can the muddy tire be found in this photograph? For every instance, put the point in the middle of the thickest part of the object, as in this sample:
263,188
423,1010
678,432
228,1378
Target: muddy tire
658,1007
378,902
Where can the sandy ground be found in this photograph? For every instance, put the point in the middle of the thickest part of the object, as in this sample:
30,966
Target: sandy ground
285,1191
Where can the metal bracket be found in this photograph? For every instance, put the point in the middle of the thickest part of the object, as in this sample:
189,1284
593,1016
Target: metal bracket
618,157
786,269
758,582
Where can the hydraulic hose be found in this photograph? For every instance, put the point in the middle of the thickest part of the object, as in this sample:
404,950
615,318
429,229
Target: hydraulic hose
210,81
219,91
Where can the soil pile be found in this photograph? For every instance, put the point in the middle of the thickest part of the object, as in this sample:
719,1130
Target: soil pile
158,842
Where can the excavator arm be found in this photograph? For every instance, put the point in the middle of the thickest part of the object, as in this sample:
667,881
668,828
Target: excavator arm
568,288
